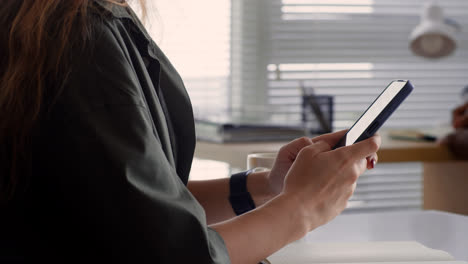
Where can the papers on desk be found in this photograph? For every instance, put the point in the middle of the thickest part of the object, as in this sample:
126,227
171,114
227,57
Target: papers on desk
230,131
411,135
369,252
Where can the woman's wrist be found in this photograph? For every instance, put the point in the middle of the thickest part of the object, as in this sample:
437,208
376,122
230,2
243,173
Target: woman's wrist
298,218
281,214
259,186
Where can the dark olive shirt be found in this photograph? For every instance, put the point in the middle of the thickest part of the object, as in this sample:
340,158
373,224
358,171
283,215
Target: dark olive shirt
111,161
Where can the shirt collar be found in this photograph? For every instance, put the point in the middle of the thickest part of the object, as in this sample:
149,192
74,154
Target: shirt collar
116,10
127,13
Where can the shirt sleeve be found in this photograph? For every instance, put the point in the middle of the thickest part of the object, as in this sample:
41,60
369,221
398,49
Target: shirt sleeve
110,190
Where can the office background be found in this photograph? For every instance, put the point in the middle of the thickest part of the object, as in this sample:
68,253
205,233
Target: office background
251,56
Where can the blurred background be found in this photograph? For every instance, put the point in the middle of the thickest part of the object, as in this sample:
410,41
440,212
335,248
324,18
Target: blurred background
253,59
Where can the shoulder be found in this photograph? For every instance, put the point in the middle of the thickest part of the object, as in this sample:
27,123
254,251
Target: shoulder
106,21
104,71
109,23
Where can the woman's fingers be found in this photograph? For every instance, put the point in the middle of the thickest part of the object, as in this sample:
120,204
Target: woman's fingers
297,145
290,150
362,149
314,149
372,161
284,159
331,138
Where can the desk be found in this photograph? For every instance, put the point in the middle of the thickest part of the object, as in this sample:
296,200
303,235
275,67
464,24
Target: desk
437,230
391,151
445,179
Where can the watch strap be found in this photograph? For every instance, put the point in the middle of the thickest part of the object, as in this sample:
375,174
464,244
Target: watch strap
239,197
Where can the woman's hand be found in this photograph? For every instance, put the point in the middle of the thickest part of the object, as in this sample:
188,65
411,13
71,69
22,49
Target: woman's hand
322,180
288,153
315,184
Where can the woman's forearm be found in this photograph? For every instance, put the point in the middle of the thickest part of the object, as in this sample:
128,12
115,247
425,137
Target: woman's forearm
255,235
213,195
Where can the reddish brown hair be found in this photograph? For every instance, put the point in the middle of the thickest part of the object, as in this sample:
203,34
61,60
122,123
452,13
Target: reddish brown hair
35,38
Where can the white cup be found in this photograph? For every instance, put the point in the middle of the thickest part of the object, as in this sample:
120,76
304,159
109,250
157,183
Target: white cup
261,160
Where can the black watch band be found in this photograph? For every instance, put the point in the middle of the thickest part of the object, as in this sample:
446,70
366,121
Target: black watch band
240,198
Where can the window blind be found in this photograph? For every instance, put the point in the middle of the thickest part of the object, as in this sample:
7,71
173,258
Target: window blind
350,49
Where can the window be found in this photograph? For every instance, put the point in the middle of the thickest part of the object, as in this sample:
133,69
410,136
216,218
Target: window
195,35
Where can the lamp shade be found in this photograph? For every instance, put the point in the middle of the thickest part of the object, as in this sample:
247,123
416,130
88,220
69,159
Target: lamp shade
433,38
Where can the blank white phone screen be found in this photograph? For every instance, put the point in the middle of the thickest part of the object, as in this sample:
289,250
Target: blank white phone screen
374,110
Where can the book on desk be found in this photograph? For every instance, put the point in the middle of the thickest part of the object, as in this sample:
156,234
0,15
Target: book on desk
363,252
226,130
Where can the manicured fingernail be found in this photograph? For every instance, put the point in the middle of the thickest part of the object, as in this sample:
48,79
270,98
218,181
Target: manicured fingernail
373,162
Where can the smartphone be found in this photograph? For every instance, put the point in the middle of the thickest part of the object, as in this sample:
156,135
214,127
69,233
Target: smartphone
377,113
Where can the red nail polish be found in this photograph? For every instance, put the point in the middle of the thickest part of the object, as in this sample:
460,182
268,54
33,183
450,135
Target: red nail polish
373,162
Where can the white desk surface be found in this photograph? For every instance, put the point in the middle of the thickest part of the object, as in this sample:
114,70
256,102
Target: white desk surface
434,229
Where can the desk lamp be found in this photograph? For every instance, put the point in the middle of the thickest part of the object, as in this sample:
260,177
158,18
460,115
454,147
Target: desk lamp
434,37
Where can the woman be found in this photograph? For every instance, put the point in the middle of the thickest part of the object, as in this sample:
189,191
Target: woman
97,140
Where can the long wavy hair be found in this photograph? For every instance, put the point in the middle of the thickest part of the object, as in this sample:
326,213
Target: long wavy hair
36,40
